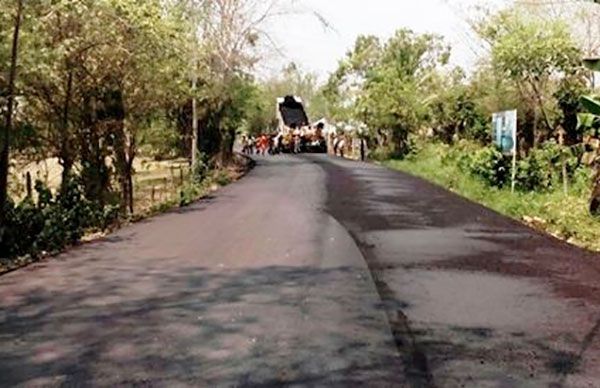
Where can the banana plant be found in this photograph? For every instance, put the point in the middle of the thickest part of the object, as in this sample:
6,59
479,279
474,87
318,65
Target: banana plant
590,121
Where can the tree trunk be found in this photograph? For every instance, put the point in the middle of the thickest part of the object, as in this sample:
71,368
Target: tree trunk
5,140
535,127
66,152
226,148
400,142
129,171
121,164
130,185
67,167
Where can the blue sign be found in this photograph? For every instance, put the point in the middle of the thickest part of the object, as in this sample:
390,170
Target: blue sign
504,125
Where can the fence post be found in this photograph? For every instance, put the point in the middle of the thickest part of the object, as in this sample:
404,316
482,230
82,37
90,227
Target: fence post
28,184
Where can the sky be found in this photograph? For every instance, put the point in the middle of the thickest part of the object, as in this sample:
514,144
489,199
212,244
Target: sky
303,39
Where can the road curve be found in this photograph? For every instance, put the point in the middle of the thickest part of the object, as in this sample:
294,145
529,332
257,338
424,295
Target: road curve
311,271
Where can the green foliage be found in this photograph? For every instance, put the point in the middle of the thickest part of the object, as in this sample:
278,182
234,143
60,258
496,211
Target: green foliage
540,58
222,178
563,215
484,163
188,194
201,169
591,104
395,89
52,223
161,140
454,111
541,169
592,63
381,153
490,165
530,49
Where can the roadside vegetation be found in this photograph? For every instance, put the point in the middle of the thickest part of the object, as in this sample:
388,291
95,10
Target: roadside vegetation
426,117
113,109
463,170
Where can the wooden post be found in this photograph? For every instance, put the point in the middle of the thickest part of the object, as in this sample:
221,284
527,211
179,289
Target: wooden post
362,149
28,184
563,160
152,193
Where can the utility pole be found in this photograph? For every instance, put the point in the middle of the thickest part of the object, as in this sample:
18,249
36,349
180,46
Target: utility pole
194,109
194,149
4,153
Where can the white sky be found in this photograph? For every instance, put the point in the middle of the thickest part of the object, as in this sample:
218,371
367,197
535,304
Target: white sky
304,40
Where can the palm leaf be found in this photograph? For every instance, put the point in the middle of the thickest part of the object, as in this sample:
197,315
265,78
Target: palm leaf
587,120
591,104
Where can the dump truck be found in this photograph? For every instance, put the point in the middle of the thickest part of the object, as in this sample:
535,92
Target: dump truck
295,134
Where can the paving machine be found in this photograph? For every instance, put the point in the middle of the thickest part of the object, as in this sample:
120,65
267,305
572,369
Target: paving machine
295,134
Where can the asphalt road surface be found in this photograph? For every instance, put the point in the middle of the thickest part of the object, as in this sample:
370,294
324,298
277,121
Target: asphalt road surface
310,271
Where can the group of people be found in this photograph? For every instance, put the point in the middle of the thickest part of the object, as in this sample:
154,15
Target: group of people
261,145
266,144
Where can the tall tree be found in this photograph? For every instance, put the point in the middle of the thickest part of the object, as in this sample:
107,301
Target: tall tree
395,91
8,123
533,53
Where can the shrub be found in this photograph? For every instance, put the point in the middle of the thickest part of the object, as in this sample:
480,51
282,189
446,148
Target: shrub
541,169
53,222
201,169
487,164
222,178
188,194
380,153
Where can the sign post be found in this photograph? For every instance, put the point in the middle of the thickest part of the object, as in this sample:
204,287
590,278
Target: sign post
505,137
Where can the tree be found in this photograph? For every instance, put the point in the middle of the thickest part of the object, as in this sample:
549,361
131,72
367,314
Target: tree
396,88
455,108
8,123
550,54
591,122
342,90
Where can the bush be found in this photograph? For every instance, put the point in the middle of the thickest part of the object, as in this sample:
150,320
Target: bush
581,181
222,178
380,153
487,164
541,169
201,169
490,165
52,223
188,194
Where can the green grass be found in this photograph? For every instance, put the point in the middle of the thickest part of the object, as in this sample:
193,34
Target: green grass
564,216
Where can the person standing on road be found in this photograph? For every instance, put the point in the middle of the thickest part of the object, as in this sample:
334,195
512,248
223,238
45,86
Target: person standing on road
263,144
340,144
298,133
251,144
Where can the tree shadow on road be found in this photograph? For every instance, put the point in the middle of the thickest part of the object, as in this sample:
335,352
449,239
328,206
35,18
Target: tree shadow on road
267,326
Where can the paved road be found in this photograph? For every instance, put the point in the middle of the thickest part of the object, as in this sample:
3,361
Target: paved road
311,271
